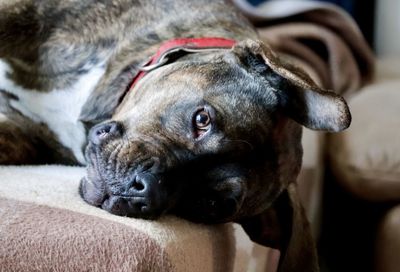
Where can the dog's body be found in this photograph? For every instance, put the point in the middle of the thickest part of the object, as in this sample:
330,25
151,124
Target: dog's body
225,114
76,70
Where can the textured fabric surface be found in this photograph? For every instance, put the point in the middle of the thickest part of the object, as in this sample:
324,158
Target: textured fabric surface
366,157
252,257
41,238
45,226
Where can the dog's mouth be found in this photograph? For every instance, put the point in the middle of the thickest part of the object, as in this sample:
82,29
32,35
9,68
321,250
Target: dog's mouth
131,206
144,192
195,204
138,191
141,177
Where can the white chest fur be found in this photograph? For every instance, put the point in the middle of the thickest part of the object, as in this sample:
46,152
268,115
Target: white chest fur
59,109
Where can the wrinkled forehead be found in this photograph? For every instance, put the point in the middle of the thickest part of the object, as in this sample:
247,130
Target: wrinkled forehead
217,79
182,87
163,87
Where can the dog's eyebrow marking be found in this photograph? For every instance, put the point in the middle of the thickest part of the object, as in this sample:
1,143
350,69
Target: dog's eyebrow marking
58,109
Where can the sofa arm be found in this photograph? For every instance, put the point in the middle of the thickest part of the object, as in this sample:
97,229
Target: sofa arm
366,157
46,226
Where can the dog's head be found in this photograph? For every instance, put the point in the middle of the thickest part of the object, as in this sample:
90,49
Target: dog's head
212,139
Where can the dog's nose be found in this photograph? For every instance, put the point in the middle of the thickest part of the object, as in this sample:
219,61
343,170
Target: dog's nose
149,193
102,132
144,197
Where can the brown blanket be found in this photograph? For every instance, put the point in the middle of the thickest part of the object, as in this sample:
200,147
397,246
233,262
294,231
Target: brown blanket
319,37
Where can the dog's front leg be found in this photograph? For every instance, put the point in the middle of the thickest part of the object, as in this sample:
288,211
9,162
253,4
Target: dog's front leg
285,227
29,143
23,141
16,145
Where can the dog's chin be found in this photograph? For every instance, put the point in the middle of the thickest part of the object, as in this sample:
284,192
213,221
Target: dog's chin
116,204
130,207
209,211
95,193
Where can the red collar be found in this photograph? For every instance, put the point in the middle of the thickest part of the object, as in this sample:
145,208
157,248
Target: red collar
189,45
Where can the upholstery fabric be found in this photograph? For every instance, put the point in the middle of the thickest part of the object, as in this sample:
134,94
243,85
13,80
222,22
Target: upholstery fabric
366,157
46,226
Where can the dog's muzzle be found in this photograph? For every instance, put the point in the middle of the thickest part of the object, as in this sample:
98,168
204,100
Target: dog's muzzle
143,197
144,192
138,190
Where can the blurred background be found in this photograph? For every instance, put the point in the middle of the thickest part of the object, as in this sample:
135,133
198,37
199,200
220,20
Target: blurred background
357,223
379,20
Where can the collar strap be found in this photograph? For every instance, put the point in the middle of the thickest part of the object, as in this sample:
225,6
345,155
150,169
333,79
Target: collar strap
188,45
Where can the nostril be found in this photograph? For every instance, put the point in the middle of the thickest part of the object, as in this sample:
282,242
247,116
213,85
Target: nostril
103,131
138,185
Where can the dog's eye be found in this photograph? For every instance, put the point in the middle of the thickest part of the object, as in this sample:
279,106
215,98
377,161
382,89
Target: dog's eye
202,120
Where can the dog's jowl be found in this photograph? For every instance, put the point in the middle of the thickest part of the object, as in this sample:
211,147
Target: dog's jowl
173,106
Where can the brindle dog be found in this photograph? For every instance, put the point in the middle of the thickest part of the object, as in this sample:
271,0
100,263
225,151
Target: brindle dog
212,137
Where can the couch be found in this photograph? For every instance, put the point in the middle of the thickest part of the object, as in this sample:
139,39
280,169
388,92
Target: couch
362,196
360,225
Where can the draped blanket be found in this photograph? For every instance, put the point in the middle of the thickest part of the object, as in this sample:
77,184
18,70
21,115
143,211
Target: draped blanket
320,37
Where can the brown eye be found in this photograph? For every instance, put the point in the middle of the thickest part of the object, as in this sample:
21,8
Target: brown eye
202,120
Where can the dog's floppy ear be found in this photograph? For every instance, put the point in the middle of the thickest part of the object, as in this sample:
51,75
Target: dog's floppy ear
285,227
301,99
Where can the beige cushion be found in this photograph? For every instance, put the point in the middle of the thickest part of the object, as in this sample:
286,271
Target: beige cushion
46,226
388,69
366,157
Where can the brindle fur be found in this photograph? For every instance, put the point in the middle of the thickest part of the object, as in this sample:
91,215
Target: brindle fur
70,33
25,142
243,170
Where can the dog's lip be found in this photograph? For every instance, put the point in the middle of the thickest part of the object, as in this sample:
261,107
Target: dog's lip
138,212
127,197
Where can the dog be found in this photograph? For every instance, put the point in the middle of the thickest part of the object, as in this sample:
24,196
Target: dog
174,107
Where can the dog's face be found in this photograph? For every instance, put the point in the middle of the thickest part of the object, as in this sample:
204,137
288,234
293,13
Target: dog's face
211,140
